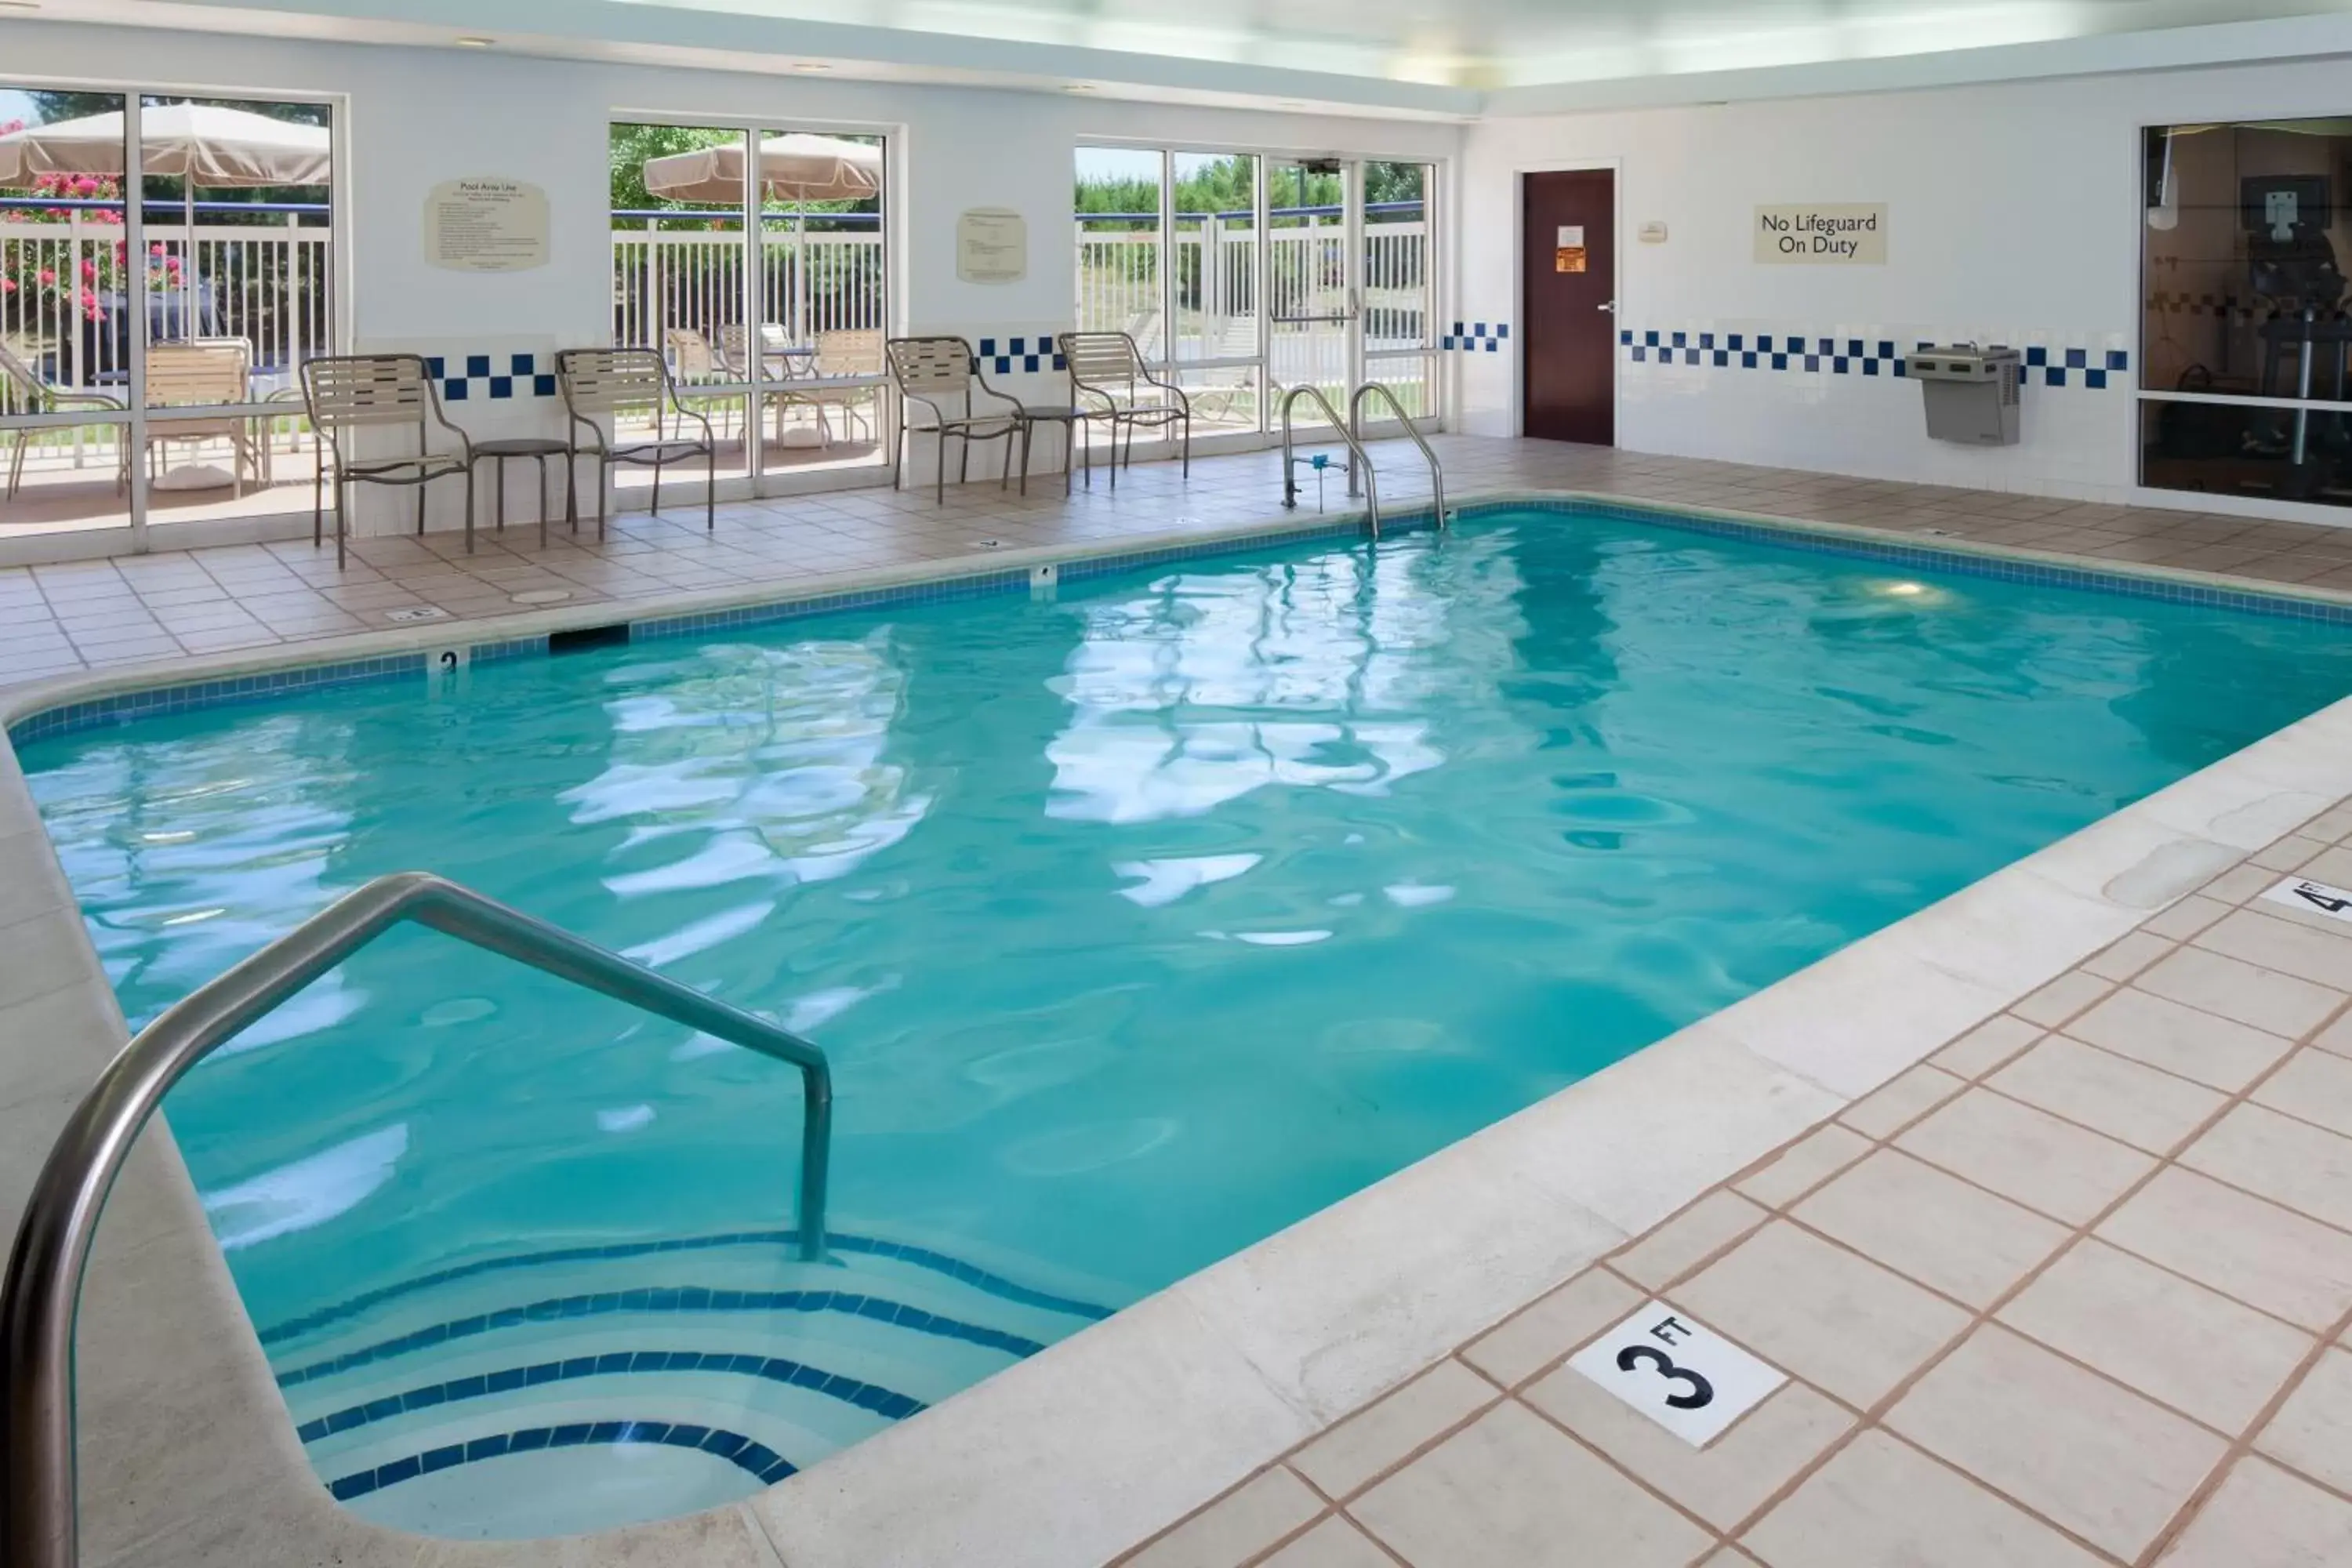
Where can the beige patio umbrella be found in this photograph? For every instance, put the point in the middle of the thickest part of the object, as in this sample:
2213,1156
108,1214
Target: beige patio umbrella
796,167
199,144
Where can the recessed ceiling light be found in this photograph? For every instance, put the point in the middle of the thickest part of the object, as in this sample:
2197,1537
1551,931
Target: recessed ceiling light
20,4
476,43
1078,87
811,66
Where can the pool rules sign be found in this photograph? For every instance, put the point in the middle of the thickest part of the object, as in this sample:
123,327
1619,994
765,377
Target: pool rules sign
1836,233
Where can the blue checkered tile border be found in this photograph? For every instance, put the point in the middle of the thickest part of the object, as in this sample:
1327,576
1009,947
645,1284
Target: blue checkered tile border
123,707
1489,336
1030,354
520,376
1849,355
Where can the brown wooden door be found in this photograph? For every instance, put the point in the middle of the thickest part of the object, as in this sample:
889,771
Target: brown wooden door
1568,358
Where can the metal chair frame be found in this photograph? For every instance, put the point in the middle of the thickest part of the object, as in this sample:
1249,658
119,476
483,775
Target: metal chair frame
606,381
930,370
344,394
1102,365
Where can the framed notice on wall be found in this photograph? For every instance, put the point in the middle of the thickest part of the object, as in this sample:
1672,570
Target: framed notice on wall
1567,252
992,246
1836,233
486,224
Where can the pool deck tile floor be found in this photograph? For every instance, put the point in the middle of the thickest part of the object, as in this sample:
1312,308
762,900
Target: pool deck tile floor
153,609
2074,1291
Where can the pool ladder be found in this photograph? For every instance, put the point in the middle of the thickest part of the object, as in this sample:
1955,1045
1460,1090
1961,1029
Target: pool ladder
1363,479
43,1292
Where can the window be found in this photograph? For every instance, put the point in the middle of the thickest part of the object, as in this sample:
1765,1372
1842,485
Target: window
2243,386
752,260
206,295
1241,276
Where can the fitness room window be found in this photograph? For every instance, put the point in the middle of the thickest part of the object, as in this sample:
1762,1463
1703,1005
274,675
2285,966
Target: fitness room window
2243,376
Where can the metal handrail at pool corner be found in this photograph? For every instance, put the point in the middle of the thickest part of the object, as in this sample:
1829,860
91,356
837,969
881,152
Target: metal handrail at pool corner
1356,428
1358,462
43,1289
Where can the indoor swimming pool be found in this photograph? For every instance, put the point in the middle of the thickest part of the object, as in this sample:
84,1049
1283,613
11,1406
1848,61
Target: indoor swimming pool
1138,922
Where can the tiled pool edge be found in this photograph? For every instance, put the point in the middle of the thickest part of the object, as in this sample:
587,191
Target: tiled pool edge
66,703
1076,1455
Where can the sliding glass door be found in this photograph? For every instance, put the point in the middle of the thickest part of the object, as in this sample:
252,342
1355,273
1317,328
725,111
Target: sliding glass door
1242,276
150,349
753,262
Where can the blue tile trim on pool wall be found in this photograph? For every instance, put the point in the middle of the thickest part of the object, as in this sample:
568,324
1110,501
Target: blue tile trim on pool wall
758,1458
121,707
783,1240
688,1298
1872,354
883,1401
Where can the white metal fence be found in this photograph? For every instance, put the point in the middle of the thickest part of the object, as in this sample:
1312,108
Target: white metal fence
68,316
1216,290
682,291
270,285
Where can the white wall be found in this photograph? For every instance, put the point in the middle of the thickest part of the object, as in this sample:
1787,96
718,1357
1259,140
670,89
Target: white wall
2014,214
417,117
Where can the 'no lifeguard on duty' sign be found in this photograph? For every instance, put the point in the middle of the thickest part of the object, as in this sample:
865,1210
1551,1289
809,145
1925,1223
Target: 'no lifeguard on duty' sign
1835,231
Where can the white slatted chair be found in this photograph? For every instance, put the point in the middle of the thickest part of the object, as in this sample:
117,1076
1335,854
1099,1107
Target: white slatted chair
605,383
346,395
1111,384
205,371
940,375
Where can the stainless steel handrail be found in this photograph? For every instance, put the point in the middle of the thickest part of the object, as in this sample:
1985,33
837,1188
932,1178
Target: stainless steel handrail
1358,462
1356,428
43,1293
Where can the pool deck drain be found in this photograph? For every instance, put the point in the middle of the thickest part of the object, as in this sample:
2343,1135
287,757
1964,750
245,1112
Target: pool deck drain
2041,1200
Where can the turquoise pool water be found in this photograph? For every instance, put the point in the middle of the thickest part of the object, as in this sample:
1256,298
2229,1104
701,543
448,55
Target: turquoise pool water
1137,923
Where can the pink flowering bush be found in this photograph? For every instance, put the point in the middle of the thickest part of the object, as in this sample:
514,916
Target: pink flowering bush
35,289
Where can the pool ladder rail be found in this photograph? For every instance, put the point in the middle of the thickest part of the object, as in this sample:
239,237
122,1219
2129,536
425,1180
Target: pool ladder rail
43,1291
1363,479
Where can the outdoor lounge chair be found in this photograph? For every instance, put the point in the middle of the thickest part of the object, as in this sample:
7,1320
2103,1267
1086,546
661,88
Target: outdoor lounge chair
24,392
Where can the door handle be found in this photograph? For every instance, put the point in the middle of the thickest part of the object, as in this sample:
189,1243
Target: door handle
1609,306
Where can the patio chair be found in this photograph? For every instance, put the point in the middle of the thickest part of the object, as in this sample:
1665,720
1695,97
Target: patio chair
1110,383
688,353
841,355
605,383
22,391
935,371
347,394
210,372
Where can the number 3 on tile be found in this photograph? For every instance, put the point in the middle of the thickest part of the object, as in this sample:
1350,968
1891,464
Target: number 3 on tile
1679,1373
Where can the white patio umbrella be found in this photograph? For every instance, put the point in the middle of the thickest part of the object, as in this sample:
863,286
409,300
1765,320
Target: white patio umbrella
202,143
796,167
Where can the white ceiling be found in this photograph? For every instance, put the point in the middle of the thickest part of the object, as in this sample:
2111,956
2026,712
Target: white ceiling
1451,59
1517,42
